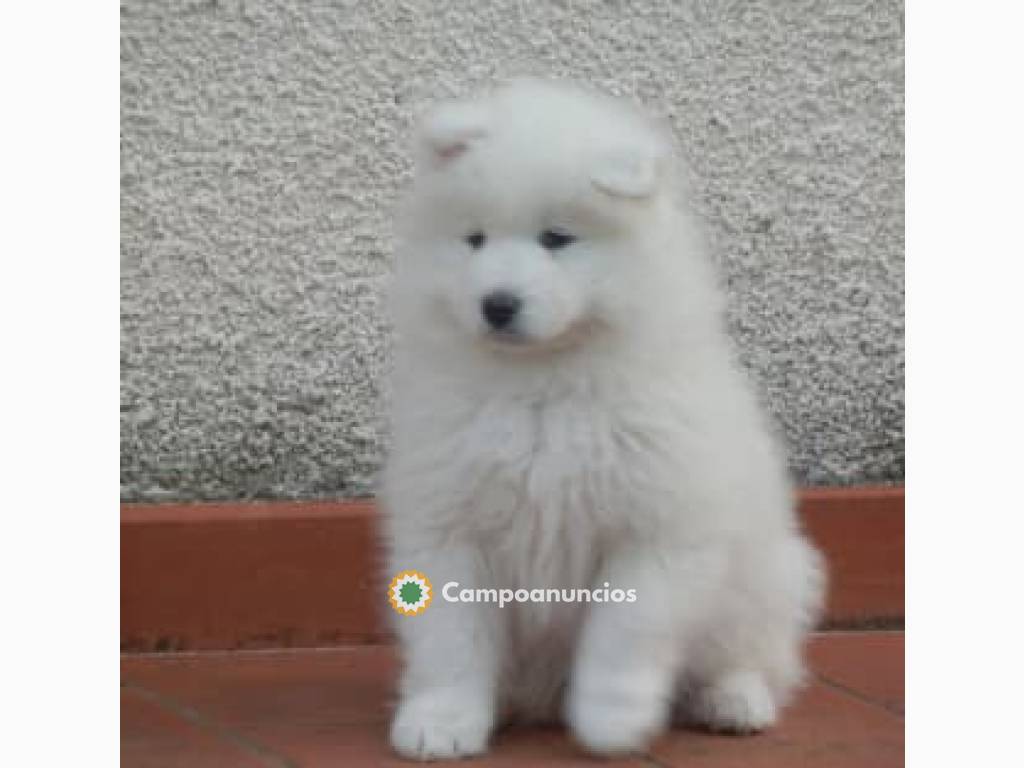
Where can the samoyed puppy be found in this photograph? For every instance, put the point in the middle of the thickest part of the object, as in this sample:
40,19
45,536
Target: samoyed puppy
568,414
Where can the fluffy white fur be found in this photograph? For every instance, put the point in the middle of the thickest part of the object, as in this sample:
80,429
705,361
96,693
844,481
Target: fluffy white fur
607,435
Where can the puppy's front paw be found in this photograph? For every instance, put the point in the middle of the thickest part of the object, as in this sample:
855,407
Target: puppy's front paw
738,703
442,725
616,720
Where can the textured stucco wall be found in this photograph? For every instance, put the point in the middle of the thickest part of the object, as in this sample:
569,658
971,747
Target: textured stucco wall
263,144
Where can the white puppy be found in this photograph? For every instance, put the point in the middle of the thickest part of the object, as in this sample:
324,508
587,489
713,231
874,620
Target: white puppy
568,413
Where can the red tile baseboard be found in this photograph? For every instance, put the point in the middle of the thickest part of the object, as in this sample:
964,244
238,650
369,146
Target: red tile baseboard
306,573
860,531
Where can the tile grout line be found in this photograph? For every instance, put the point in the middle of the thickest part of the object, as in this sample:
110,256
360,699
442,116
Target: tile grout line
854,693
385,641
196,718
653,762
282,650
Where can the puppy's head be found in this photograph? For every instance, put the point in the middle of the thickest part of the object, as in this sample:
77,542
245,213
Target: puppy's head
533,210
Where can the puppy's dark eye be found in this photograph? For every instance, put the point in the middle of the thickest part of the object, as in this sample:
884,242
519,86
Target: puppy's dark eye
553,239
476,240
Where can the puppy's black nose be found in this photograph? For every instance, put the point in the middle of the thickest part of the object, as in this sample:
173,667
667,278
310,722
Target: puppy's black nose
500,308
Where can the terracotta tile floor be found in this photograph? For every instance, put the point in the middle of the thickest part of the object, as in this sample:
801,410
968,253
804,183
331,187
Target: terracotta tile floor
330,708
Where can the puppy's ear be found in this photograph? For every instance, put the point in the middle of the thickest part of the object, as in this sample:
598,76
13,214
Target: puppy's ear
633,172
448,131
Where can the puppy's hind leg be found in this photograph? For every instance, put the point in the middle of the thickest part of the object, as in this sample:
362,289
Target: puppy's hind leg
746,663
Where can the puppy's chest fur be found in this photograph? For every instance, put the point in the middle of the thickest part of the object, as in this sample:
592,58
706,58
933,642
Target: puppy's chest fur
552,482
